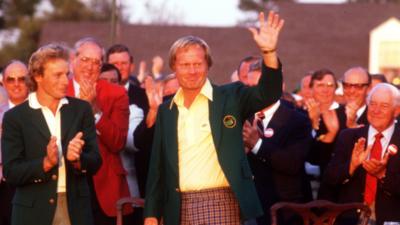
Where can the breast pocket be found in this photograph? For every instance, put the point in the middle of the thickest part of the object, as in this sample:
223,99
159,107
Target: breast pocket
205,127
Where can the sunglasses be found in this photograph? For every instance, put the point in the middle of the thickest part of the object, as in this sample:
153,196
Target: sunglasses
10,80
356,86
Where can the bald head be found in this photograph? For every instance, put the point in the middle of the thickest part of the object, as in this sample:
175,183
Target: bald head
357,72
14,80
356,83
15,66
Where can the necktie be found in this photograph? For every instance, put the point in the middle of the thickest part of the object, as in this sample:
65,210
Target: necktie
260,126
371,181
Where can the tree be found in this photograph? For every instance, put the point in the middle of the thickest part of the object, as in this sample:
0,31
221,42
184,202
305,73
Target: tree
374,1
21,14
258,5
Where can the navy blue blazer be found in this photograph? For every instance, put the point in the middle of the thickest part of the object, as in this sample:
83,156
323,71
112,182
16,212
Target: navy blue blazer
351,188
278,166
24,140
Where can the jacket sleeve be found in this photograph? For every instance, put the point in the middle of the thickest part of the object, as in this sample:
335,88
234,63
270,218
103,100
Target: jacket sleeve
18,169
266,92
337,171
390,183
90,158
113,126
155,180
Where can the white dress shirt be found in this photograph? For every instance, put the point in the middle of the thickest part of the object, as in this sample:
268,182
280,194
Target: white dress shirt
53,122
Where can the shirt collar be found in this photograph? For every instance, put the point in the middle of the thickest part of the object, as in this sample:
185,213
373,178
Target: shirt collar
387,134
334,105
269,112
10,104
361,110
206,91
34,102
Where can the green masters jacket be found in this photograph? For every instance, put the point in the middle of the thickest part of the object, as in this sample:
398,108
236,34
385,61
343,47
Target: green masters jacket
232,104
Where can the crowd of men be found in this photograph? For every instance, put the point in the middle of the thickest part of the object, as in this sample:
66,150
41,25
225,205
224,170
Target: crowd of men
80,131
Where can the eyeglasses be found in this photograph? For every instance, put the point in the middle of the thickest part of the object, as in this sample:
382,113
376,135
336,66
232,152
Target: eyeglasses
356,86
326,85
87,60
10,80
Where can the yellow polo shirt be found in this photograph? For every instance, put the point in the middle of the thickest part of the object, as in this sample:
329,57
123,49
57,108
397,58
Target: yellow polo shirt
197,157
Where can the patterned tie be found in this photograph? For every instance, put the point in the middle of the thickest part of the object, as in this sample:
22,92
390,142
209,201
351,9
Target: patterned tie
371,181
260,126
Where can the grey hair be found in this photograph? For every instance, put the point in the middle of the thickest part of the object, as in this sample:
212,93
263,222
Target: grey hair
386,86
88,40
185,42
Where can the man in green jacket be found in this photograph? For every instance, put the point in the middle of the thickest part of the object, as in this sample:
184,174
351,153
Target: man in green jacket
199,173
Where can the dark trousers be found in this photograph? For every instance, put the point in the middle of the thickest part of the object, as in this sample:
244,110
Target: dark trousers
100,218
6,195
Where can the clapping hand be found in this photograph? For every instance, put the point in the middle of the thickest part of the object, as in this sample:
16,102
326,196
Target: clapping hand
75,146
51,158
314,112
351,114
250,135
376,167
359,154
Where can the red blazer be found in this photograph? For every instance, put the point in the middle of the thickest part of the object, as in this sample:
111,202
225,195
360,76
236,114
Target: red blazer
109,182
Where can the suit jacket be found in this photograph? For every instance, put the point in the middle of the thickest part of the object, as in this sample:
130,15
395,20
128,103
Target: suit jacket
3,109
327,191
234,101
110,181
278,166
24,141
6,192
351,188
320,152
137,96
341,113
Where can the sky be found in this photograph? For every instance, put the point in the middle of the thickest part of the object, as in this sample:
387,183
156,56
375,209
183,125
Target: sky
195,12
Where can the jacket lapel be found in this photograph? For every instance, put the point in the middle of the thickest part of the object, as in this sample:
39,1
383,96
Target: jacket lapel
170,130
279,118
395,137
40,122
67,117
216,109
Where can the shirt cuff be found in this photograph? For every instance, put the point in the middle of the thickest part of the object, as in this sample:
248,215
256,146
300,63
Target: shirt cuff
97,117
313,133
256,147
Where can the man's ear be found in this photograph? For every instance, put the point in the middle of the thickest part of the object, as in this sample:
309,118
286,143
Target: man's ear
37,78
397,111
131,68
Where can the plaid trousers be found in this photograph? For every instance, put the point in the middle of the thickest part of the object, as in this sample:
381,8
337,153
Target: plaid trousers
215,206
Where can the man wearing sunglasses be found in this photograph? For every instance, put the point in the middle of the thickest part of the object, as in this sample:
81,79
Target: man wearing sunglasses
356,82
14,77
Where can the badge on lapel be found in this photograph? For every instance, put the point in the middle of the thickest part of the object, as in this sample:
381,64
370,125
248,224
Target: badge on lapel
229,121
269,132
392,149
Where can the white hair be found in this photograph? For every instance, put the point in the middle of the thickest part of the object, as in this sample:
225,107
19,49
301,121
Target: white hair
394,91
